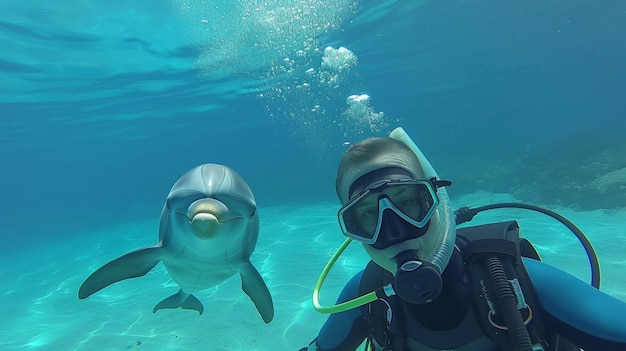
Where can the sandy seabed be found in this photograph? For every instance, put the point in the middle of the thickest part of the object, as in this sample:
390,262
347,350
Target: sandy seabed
41,311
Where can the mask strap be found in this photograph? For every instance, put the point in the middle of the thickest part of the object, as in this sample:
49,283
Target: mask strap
439,183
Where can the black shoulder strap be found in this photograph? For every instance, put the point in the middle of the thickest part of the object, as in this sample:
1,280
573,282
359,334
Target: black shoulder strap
500,240
495,238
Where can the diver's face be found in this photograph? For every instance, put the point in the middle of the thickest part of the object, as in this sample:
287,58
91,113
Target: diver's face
367,217
365,213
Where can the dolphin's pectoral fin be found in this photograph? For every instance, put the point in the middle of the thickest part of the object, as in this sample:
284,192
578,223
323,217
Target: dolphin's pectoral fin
131,265
180,300
253,285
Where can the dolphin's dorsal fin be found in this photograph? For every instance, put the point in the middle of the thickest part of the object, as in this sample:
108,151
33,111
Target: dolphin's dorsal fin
131,265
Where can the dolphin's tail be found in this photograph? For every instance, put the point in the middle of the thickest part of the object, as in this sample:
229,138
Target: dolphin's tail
180,300
131,265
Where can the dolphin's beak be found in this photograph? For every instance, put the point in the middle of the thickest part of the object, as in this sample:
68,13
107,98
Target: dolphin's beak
205,216
204,225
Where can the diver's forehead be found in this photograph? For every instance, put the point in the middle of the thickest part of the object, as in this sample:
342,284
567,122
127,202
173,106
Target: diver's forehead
371,178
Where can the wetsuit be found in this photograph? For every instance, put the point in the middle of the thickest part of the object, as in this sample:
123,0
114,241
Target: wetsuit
572,313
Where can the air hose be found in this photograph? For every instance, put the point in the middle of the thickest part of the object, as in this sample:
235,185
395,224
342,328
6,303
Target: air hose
507,306
465,214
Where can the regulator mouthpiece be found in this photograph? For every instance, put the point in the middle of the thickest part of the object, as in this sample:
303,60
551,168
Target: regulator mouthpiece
416,281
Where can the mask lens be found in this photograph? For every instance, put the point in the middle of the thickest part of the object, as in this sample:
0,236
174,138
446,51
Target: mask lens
358,226
413,200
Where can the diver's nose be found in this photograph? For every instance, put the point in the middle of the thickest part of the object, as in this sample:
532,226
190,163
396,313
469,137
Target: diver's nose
392,227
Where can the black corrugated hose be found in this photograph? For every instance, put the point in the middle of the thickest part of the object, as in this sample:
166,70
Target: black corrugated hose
507,306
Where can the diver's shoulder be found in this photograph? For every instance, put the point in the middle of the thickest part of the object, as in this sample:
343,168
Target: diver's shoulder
579,309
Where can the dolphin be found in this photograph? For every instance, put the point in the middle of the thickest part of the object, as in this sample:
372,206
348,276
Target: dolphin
209,228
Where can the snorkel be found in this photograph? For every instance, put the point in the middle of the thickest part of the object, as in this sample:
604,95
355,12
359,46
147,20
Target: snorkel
418,276
417,280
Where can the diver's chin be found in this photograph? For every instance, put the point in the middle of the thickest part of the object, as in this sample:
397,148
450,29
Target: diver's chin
413,244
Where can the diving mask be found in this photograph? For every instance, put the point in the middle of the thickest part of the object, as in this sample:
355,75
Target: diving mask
412,201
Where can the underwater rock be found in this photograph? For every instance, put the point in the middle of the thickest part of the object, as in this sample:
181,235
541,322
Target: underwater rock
614,179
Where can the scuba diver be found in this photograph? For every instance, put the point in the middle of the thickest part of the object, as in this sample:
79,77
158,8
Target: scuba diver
430,286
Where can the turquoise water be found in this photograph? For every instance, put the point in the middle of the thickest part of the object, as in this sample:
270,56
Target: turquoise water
104,105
